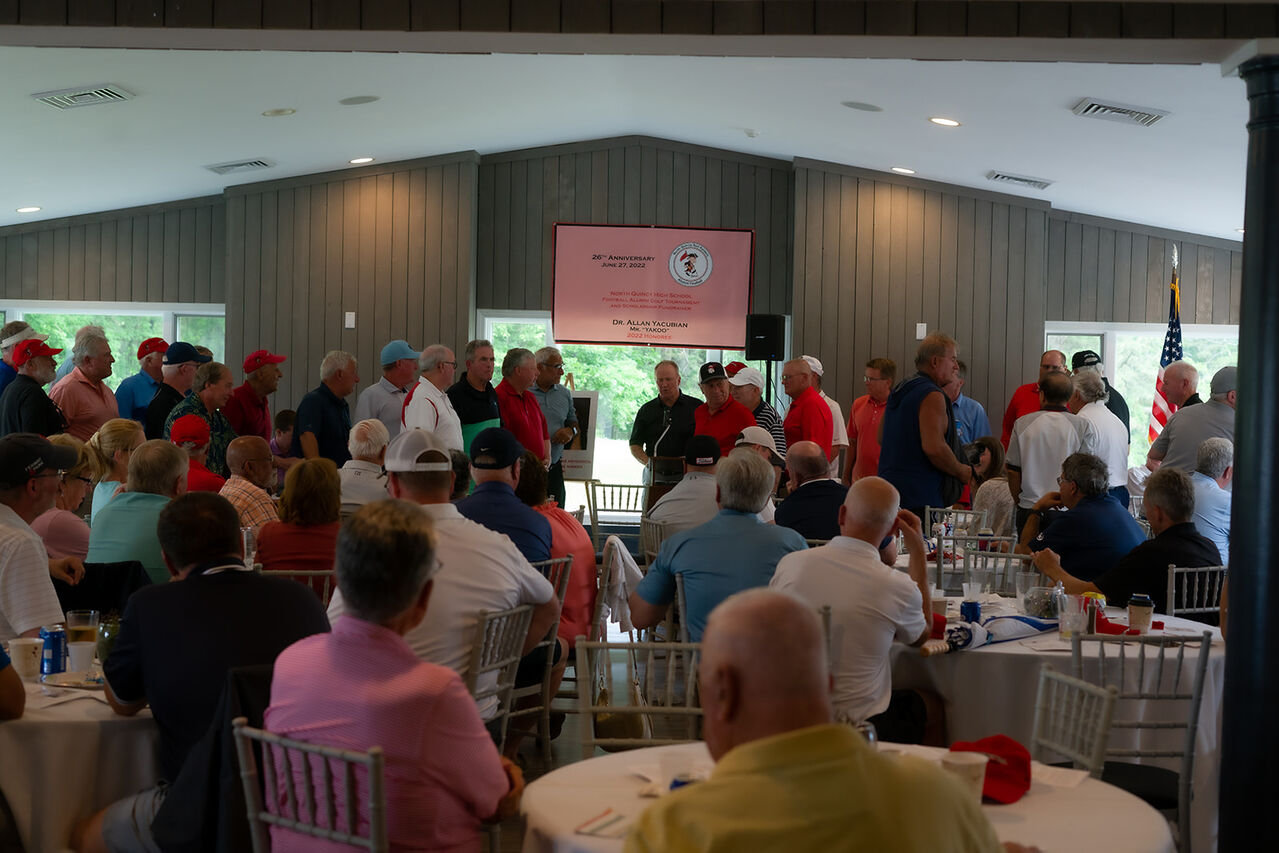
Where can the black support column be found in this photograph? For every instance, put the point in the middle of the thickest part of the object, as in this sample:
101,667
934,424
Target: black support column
1250,725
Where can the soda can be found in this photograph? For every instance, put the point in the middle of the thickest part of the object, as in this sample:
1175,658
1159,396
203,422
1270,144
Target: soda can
983,540
54,657
679,780
970,611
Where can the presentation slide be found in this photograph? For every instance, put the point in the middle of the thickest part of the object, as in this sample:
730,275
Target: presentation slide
687,287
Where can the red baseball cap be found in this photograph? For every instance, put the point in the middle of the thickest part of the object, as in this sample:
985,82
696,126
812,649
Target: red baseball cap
1007,772
257,358
190,429
151,345
732,367
29,349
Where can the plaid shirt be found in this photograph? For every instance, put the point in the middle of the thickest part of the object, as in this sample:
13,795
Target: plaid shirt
254,505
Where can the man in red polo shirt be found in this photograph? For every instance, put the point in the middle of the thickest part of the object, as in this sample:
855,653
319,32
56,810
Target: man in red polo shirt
520,412
1026,398
720,417
248,410
864,417
809,418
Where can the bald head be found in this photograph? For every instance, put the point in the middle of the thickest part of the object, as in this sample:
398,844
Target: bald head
249,456
1052,361
1181,381
763,670
805,460
869,510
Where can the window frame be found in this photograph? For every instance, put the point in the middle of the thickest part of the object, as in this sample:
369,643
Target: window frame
17,309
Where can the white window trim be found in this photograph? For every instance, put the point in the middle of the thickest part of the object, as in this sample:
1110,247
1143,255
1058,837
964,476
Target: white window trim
16,309
1109,332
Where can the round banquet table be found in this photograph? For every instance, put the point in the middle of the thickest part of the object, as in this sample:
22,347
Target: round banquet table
1089,815
63,761
991,690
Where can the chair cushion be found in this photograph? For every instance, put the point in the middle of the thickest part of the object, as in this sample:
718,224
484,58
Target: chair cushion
1156,785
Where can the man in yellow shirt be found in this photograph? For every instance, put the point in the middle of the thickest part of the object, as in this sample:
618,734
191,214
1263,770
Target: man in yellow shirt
786,778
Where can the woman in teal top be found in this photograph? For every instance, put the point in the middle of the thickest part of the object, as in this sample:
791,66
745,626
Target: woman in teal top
109,450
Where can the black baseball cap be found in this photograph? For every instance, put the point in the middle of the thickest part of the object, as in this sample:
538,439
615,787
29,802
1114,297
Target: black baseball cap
711,371
23,455
499,444
1084,358
701,450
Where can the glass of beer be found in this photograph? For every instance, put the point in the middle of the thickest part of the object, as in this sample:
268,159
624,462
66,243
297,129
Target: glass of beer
82,626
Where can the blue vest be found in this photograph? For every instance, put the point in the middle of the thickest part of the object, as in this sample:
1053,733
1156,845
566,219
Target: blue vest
902,461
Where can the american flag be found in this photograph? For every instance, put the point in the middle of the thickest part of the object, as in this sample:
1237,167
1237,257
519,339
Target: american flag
1161,410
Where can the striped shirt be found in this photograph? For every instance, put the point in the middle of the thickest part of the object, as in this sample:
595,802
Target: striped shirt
27,599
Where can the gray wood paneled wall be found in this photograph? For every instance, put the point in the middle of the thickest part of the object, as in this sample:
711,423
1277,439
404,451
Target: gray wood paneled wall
160,253
1106,271
874,256
392,243
625,181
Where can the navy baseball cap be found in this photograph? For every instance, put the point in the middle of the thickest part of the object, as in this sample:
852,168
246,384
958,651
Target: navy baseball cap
701,450
180,352
23,455
498,444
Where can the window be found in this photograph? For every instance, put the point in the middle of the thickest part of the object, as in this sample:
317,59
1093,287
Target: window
126,325
1130,352
622,374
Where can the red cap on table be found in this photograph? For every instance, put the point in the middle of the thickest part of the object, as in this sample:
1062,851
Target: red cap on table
1007,772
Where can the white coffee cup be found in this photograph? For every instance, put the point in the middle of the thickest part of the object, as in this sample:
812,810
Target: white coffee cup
970,767
81,655
25,653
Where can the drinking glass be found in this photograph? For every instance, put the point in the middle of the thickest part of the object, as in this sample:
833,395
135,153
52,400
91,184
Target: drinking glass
82,626
1025,580
1072,615
250,540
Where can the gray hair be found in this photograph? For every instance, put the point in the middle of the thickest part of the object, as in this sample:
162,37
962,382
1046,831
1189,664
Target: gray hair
1171,491
1215,456
335,360
933,346
367,438
88,340
209,373
1088,472
514,359
1089,387
745,480
1189,369
155,466
544,354
472,347
432,356
385,555
11,328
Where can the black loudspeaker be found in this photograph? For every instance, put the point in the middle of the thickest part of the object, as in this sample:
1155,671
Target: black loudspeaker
765,337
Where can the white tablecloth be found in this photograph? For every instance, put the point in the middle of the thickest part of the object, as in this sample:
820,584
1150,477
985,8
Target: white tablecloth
991,690
64,762
1092,816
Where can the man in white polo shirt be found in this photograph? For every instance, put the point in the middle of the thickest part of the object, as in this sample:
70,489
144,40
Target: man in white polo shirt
872,605
1089,402
479,569
428,407
1041,441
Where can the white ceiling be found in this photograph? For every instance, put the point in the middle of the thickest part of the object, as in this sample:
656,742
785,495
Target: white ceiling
198,107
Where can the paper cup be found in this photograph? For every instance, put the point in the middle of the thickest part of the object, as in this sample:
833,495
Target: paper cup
81,656
970,767
25,653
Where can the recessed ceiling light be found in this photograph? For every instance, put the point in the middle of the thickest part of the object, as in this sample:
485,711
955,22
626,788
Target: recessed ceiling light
1240,230
359,161
902,170
359,99
276,113
863,106
36,210
944,122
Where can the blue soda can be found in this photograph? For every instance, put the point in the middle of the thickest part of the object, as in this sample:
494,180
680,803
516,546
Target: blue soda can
54,657
970,611
682,779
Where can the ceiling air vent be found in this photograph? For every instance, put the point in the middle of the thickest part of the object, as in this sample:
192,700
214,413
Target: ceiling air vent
1126,113
84,96
240,166
1018,180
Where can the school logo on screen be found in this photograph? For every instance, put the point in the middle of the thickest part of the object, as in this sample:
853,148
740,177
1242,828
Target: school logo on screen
690,264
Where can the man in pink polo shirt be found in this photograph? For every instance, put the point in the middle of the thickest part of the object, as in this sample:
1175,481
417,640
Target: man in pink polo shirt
443,773
521,414
83,397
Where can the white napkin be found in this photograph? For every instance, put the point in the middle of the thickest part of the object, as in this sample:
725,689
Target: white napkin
1058,777
50,696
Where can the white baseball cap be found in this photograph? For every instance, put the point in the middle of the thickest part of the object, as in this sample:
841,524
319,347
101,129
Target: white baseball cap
762,437
747,376
404,452
813,363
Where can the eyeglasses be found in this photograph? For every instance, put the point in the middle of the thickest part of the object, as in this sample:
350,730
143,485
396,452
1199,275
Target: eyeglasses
48,474
559,366
88,481
874,378
449,363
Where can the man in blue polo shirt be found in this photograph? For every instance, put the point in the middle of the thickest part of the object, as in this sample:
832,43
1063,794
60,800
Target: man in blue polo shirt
495,467
323,422
732,552
1096,529
135,392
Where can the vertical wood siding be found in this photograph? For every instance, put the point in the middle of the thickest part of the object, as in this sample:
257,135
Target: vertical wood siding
875,256
162,253
395,244
1106,271
625,181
